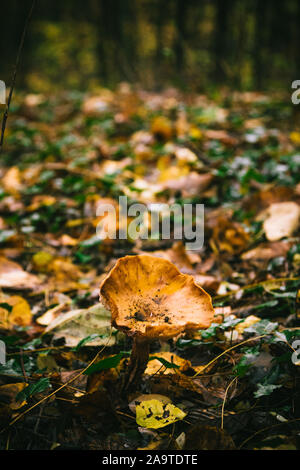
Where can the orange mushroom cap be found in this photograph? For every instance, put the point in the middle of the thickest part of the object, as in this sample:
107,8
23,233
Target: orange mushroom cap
150,298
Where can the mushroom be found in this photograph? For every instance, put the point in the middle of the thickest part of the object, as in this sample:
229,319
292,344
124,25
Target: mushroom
149,298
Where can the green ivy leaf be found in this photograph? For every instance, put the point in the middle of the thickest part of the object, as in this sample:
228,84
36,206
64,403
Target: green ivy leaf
107,363
263,327
34,388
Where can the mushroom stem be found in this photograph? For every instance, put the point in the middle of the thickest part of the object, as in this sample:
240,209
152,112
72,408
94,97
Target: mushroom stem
138,362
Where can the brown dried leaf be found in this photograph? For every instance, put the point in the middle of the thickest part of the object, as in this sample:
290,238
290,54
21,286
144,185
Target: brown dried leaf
13,276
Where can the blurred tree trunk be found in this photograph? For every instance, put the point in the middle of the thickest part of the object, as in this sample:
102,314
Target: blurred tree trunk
180,35
222,8
260,17
116,48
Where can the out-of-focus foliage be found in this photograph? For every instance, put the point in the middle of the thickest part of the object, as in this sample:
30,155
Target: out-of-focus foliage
194,44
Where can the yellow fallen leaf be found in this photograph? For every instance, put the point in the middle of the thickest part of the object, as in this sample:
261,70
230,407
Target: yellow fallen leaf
295,137
173,173
151,396
21,313
76,222
66,240
195,133
41,260
155,365
162,127
18,312
251,320
41,200
154,414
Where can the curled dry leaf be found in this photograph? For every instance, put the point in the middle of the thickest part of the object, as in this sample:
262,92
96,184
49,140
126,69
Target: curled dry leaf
266,251
282,220
50,315
13,276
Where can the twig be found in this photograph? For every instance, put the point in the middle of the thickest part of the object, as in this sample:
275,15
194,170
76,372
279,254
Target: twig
14,75
224,401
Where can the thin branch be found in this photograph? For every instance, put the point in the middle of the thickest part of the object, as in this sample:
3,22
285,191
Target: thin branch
14,75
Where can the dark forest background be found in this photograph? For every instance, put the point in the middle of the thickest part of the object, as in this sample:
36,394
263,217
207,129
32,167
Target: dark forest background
194,44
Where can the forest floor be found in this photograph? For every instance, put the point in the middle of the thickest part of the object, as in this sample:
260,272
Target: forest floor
234,385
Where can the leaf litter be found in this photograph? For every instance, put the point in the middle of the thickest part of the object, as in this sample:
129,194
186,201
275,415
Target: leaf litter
220,386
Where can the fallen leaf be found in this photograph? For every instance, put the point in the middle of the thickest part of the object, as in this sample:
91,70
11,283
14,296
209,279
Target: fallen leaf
282,220
151,396
41,260
78,324
155,365
161,126
249,321
14,311
267,251
50,315
13,276
295,137
155,414
12,181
